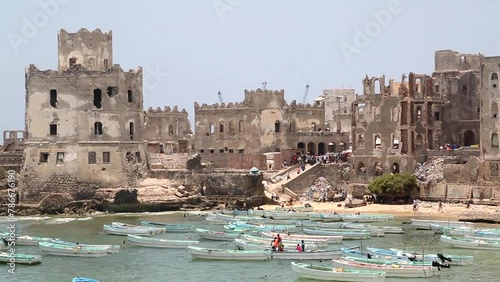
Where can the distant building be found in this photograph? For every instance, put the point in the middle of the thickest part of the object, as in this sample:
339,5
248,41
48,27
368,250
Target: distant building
338,110
84,121
230,134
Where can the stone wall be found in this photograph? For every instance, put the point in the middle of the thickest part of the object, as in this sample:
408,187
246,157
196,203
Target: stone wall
306,178
235,161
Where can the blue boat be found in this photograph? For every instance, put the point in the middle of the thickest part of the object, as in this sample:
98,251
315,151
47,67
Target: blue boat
83,279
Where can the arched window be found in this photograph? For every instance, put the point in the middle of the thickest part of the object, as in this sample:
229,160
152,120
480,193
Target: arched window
376,113
97,128
494,140
395,114
361,168
131,130
494,80
170,130
377,141
313,126
419,114
53,98
97,98
241,126
277,126
211,128
231,127
494,110
419,141
221,127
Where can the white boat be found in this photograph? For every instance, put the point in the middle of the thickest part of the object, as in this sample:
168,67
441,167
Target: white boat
217,235
330,239
155,230
32,240
466,243
374,228
20,258
345,234
220,254
321,244
108,248
142,241
363,218
243,244
307,255
65,250
449,259
391,270
214,219
124,231
324,273
426,223
302,209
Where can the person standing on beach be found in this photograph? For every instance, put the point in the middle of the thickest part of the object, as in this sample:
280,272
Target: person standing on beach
440,209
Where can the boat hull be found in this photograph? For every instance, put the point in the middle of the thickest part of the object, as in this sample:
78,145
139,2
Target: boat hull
216,254
159,243
390,270
335,274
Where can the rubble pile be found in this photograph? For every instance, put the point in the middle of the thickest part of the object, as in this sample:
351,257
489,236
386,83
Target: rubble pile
431,172
321,190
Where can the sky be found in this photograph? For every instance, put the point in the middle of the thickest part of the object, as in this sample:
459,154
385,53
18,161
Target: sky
192,49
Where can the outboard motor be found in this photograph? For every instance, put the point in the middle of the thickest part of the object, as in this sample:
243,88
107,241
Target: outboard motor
443,258
438,265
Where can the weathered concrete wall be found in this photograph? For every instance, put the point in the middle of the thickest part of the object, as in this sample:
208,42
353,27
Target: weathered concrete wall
223,183
304,180
338,109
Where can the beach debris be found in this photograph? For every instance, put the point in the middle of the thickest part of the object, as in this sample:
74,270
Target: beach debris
321,190
430,172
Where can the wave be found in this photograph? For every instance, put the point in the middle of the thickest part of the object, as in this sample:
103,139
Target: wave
63,220
23,218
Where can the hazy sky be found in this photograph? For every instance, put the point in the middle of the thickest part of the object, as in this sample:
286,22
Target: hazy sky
191,49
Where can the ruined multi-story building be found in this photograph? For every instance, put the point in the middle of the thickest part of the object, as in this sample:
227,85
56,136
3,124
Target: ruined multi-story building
84,121
168,136
338,115
11,152
456,79
264,122
394,125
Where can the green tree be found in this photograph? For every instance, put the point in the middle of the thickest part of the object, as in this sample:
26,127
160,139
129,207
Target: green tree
394,186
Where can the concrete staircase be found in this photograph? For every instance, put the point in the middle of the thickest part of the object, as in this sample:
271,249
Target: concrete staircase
279,187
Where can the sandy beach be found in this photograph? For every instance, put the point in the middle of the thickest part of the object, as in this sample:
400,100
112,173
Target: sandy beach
426,210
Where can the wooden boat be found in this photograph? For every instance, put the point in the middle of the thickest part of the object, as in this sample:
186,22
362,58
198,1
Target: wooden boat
214,219
425,223
107,248
313,238
346,235
142,241
155,230
20,258
450,259
216,235
65,250
487,239
366,217
303,209
177,228
241,227
379,260
266,240
324,273
307,255
374,228
83,279
466,243
391,270
32,240
220,254
243,244
124,231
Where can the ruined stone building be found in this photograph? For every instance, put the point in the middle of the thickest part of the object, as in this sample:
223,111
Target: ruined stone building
456,79
338,115
264,122
84,121
168,136
11,152
394,125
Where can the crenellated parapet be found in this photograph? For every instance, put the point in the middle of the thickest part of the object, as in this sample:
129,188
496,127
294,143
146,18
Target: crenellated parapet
79,71
218,106
259,91
166,110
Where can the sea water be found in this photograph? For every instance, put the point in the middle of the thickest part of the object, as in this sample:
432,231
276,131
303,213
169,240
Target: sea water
134,263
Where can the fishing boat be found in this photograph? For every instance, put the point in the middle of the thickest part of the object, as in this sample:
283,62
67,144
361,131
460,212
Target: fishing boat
303,209
220,254
320,244
20,258
396,254
449,259
32,240
107,248
242,227
83,279
425,224
307,255
324,273
374,228
346,235
171,228
363,218
142,241
214,219
216,235
313,238
65,250
156,230
391,270
243,244
466,243
380,260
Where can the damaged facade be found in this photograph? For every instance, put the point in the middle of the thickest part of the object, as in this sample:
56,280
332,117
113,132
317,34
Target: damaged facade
168,136
338,115
264,122
84,121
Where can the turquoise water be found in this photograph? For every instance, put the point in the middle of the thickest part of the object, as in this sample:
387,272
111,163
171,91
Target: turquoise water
149,264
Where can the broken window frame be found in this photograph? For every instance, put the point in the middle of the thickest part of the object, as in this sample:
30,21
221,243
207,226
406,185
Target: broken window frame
59,158
43,157
92,158
112,91
379,144
106,157
131,130
53,98
98,128
130,97
494,140
494,110
277,126
494,79
53,129
97,101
